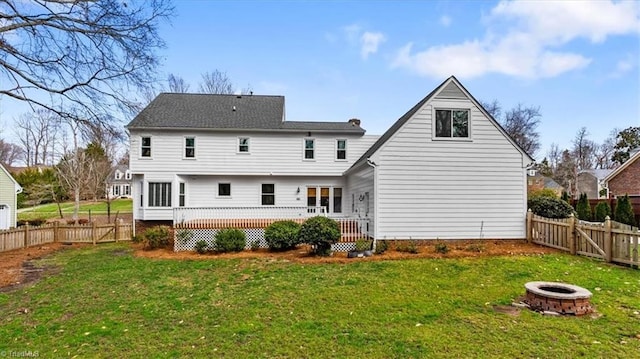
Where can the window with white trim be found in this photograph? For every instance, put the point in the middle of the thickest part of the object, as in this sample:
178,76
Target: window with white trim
182,194
127,190
224,189
341,150
189,147
309,148
243,144
452,123
159,194
127,175
145,147
268,194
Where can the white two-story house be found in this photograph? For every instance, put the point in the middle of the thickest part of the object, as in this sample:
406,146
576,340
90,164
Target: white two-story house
445,169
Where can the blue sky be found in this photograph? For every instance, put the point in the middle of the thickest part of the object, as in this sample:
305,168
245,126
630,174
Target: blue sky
577,60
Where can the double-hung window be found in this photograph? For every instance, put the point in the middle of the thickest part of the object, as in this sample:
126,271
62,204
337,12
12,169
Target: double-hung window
452,123
309,148
145,147
189,147
159,194
243,145
182,195
341,150
268,194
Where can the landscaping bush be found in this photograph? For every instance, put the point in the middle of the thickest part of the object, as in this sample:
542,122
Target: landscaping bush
550,207
407,247
32,222
282,235
321,233
565,196
156,237
230,240
201,246
363,245
381,246
602,211
624,211
184,235
441,248
545,192
583,209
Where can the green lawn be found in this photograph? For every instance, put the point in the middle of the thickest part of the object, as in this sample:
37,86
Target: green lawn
50,210
107,303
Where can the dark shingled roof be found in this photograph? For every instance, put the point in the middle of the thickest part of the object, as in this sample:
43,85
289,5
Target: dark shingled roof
242,112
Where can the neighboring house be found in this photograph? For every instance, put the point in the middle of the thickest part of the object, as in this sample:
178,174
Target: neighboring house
625,179
591,183
445,169
539,182
9,190
119,183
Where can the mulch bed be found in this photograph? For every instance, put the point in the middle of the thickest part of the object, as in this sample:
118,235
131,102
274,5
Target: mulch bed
16,269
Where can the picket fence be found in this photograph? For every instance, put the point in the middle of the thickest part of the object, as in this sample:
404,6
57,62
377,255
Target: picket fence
27,236
611,241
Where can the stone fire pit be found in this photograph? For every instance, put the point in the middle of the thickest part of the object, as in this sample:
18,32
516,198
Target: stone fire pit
558,297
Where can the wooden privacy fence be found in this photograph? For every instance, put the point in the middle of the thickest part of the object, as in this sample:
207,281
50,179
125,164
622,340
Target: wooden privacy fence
612,241
27,236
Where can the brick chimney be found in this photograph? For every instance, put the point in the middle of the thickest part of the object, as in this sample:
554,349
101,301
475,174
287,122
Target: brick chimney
355,122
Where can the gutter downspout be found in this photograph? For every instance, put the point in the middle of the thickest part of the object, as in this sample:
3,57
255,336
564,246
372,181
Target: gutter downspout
375,201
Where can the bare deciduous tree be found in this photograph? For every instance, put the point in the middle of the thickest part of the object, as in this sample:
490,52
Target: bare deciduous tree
583,150
37,132
216,82
79,59
9,153
520,123
177,84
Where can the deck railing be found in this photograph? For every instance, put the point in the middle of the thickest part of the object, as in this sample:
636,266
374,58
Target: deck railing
202,222
197,216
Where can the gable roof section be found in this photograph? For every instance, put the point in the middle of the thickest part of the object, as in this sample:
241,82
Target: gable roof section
18,187
618,170
598,174
226,112
450,88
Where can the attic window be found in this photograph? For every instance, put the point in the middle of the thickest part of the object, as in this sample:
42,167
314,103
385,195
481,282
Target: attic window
452,123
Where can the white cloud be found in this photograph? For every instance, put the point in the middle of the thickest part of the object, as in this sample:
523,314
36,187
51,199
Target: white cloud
525,39
623,66
445,20
370,42
367,41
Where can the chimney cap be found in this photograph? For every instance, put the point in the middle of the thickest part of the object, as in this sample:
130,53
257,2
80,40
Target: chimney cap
355,121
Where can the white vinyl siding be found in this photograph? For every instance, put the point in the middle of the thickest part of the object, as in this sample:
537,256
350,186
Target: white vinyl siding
8,199
271,154
430,189
360,189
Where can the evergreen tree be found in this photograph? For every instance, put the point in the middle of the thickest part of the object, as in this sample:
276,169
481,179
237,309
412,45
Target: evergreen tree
624,211
565,196
583,209
602,211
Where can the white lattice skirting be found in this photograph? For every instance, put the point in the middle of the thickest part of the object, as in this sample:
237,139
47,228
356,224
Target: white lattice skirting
186,239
